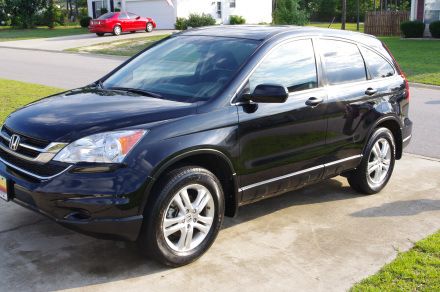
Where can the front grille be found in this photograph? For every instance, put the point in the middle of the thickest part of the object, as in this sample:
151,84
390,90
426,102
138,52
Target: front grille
43,170
37,143
6,135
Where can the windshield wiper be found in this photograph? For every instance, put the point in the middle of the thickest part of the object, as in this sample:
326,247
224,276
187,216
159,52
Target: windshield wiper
138,91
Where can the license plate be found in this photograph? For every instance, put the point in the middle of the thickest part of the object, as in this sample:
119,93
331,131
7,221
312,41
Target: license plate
3,189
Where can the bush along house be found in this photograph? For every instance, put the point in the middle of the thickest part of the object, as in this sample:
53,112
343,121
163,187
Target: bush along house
165,12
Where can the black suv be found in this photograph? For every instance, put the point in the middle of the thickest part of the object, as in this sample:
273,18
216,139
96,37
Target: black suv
205,121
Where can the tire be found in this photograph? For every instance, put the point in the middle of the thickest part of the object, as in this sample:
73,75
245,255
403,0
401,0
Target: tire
149,27
117,30
381,165
169,244
100,34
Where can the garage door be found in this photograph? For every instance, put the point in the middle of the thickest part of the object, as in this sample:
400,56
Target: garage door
159,10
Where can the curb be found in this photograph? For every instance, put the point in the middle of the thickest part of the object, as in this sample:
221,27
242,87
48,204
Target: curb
427,86
122,58
421,157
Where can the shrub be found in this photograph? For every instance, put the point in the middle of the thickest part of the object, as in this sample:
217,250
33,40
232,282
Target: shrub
180,23
289,12
434,28
412,29
85,21
237,19
194,20
198,20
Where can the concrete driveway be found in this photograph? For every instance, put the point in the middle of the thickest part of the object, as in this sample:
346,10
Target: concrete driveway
323,238
69,42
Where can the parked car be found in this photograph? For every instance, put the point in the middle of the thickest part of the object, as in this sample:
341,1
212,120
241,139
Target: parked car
203,122
119,22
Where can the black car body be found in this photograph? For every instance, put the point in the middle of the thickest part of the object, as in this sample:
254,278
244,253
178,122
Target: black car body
256,148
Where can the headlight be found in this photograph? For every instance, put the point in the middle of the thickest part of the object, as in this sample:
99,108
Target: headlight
110,147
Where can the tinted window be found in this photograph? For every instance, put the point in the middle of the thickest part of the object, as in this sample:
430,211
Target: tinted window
377,66
132,15
106,16
291,65
123,16
185,68
343,62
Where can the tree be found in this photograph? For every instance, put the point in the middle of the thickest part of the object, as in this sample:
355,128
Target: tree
289,12
23,11
344,14
50,14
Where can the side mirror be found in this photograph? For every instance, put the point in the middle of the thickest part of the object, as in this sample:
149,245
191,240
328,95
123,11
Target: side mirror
137,18
267,93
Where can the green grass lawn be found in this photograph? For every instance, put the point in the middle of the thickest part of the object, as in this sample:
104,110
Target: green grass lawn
15,94
15,34
122,47
415,270
419,59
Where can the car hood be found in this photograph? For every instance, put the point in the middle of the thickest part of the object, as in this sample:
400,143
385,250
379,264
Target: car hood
78,113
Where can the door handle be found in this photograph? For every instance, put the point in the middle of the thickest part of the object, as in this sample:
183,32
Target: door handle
314,101
370,91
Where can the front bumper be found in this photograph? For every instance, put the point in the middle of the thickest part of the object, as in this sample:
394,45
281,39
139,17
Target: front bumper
103,205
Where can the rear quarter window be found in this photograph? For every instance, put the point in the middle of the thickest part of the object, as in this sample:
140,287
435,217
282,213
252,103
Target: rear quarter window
343,62
377,66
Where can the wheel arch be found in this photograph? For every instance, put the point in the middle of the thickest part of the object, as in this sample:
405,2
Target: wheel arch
213,160
393,124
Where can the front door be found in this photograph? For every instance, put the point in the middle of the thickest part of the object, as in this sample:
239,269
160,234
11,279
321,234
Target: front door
281,144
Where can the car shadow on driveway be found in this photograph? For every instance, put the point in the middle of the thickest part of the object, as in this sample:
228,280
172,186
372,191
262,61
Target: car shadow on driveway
39,254
400,208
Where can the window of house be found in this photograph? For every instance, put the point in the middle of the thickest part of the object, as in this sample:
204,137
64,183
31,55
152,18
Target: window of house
291,65
343,62
232,3
219,9
377,66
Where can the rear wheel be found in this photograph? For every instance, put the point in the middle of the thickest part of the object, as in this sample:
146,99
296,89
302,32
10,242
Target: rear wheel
150,27
184,220
117,30
377,165
100,34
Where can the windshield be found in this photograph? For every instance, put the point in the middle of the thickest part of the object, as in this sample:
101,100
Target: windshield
185,68
106,16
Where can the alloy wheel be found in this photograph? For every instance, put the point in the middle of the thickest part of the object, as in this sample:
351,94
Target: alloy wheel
379,162
188,218
149,27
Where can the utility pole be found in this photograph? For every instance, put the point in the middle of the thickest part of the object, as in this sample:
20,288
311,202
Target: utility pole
344,14
357,7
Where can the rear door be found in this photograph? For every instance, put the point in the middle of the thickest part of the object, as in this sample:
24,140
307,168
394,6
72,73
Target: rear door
281,144
350,102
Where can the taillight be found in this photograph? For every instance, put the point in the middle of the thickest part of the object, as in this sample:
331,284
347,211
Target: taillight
406,86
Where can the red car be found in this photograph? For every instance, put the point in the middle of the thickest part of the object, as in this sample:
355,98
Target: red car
119,22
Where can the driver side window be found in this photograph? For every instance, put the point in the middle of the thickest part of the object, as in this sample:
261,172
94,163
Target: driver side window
291,65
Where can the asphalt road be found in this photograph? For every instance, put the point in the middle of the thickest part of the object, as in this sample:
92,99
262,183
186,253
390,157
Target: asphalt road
74,70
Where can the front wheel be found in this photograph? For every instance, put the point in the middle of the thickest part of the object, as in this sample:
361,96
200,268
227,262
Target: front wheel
377,165
185,218
150,27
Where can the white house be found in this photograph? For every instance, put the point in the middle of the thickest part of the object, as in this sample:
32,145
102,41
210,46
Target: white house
426,11
165,12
